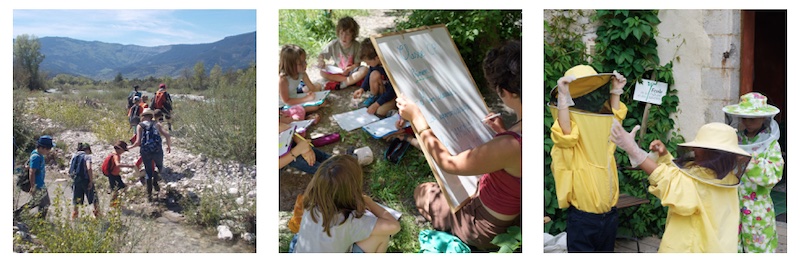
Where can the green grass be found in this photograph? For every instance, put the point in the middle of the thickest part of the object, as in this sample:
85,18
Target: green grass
310,29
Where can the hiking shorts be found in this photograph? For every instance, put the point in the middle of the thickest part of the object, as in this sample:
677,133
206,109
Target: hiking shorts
115,182
81,190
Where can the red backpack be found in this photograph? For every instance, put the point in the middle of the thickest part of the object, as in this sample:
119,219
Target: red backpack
160,100
108,165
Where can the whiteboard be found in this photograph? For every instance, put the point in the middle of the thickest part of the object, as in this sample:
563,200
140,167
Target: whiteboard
425,66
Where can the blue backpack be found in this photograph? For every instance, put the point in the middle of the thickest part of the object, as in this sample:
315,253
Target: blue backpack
77,168
151,140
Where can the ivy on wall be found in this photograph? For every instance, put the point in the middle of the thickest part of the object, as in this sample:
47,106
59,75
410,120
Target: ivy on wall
626,43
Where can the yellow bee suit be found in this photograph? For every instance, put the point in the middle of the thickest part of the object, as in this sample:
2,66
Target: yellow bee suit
583,163
703,213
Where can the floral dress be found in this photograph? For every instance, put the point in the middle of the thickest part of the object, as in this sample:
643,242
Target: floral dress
757,229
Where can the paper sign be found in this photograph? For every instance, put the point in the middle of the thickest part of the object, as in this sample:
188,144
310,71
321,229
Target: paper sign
650,91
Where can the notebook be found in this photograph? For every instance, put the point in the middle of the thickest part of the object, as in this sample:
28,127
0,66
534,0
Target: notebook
319,98
302,125
285,141
384,127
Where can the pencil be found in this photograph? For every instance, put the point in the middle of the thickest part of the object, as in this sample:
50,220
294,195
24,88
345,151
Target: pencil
301,137
490,117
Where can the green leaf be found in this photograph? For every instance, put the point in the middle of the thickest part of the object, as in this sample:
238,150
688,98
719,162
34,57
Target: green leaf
637,33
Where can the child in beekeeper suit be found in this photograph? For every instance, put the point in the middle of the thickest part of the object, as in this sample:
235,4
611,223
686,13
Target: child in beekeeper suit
583,166
699,188
758,135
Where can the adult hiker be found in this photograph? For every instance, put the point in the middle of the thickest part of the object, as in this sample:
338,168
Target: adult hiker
148,138
134,93
163,101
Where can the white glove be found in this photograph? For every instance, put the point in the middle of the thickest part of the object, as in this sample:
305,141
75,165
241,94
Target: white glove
625,141
564,97
618,84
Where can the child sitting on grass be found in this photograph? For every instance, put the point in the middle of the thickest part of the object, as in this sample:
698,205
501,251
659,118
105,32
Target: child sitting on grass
334,218
378,84
345,52
292,71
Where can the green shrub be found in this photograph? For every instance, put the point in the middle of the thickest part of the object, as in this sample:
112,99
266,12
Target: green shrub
474,32
310,29
224,126
109,233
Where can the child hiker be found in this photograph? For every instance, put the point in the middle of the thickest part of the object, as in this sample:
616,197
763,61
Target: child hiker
80,169
699,188
111,169
334,218
758,134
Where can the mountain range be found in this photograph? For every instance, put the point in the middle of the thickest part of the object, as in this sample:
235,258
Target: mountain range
102,61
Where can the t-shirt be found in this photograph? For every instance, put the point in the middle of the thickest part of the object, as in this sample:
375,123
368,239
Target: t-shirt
37,162
293,84
342,57
312,238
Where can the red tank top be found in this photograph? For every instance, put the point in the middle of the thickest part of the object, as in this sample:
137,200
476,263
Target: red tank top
501,191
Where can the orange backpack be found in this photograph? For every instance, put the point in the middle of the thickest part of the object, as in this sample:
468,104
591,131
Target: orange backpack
160,100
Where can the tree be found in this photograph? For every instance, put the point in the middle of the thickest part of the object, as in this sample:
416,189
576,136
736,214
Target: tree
26,62
215,77
118,79
199,79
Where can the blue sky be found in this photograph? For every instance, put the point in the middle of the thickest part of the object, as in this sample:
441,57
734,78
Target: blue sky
145,27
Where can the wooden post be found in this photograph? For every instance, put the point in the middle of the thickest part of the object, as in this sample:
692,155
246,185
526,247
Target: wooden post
643,127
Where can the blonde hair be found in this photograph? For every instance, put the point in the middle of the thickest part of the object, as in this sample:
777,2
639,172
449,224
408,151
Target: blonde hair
336,188
289,57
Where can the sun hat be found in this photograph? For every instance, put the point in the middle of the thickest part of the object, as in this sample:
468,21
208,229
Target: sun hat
83,146
135,98
717,136
147,111
586,80
752,104
45,141
162,86
135,86
122,145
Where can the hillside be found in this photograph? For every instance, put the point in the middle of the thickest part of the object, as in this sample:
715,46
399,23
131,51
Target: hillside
102,61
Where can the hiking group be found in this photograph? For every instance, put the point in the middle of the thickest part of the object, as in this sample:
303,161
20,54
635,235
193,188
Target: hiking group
334,214
145,120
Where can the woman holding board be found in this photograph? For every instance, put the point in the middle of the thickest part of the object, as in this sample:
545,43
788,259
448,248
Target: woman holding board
498,204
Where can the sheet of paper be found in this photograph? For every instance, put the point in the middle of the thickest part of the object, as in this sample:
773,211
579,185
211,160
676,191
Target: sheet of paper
394,212
285,141
384,126
354,119
333,70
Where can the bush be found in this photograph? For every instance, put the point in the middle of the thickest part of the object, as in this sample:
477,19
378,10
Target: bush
223,126
216,206
474,32
310,29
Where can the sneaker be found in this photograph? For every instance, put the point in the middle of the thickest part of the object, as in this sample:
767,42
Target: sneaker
369,101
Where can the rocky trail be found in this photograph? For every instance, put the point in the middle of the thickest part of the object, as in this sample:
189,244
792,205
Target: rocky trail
161,225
